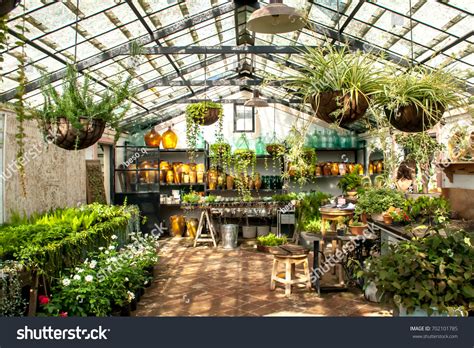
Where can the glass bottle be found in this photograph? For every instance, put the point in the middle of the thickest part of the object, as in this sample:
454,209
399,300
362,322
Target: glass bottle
152,138
324,139
169,139
260,146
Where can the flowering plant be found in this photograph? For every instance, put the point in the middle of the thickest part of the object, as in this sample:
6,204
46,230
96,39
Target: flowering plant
109,278
399,215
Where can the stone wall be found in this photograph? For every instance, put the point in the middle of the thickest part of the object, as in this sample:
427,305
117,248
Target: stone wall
54,177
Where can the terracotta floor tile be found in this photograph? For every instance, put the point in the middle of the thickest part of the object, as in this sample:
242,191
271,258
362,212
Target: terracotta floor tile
205,281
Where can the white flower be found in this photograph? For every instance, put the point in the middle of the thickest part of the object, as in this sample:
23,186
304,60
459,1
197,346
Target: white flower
111,247
80,270
113,259
126,279
77,277
93,264
114,237
106,252
131,296
101,248
66,282
88,278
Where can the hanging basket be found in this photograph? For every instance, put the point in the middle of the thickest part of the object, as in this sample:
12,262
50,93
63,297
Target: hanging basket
69,138
275,150
329,102
411,119
211,117
7,6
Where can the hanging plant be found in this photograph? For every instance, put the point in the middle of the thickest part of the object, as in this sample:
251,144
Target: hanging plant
75,119
220,155
337,83
245,161
416,100
197,115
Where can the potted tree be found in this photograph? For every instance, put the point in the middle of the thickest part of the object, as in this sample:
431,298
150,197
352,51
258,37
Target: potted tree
74,119
415,101
427,276
375,201
357,227
349,183
337,83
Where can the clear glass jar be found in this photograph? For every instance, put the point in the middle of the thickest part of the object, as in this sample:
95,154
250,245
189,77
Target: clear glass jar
260,146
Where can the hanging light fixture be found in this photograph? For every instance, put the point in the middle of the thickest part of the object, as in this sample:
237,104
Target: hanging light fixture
256,101
276,18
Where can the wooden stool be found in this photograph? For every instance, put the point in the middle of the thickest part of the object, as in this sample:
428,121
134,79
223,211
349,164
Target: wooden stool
290,257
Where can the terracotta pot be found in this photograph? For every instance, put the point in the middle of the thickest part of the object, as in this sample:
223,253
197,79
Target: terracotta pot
327,169
169,139
318,171
387,219
250,183
357,230
230,182
177,225
191,227
350,167
327,102
410,119
334,169
152,138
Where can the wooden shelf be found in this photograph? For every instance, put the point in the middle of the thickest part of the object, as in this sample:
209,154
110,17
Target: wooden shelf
451,168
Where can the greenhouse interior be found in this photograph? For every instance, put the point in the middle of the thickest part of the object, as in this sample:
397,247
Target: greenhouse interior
172,158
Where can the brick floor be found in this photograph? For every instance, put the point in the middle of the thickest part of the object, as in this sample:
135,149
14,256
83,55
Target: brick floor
205,281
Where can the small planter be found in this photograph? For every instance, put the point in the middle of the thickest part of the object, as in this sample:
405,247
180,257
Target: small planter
357,230
263,231
263,248
377,217
387,219
411,119
351,194
249,232
275,150
69,138
326,103
211,117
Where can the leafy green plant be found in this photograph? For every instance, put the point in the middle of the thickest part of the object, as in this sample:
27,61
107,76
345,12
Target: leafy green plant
244,161
191,198
427,89
271,240
378,200
210,199
300,159
434,210
350,182
336,69
220,155
421,148
12,303
195,118
315,225
308,206
77,101
432,273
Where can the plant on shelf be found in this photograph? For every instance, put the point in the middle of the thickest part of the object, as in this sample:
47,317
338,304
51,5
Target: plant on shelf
271,240
315,225
461,142
374,201
415,101
220,155
399,216
350,182
73,119
420,148
432,210
338,83
200,114
210,199
301,160
244,161
433,274
357,227
191,198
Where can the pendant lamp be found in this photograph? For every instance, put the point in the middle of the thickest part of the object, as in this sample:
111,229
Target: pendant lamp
275,18
256,101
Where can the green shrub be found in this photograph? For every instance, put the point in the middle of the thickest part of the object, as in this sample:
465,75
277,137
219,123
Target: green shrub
271,240
378,200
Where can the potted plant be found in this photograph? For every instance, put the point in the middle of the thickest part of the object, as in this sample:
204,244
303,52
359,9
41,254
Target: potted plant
311,232
415,101
374,201
220,155
338,83
201,114
420,148
387,218
275,150
265,243
356,227
431,210
74,119
427,276
349,183
399,217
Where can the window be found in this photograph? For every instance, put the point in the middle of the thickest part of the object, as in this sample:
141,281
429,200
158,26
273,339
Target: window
244,119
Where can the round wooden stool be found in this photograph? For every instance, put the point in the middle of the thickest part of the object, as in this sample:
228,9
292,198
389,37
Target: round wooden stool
290,256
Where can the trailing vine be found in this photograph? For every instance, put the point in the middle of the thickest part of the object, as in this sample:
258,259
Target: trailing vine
19,105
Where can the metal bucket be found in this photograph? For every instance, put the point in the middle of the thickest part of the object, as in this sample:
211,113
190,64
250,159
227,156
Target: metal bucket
229,236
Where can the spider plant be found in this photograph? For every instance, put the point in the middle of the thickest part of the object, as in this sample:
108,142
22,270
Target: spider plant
336,69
